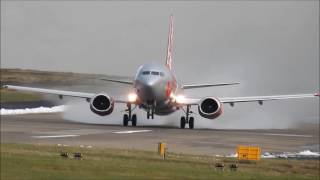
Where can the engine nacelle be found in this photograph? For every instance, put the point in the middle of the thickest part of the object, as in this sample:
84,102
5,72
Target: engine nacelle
102,104
210,108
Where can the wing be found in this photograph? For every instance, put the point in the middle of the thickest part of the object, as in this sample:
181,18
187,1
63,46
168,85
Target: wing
260,99
87,96
265,98
51,91
194,86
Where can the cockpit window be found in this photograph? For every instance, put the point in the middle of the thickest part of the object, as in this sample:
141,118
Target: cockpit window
155,73
146,72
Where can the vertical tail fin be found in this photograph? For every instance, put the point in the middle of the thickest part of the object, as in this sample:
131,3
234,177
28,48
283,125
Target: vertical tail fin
169,47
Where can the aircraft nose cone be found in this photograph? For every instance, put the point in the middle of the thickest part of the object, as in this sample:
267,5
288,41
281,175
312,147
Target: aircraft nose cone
150,83
148,89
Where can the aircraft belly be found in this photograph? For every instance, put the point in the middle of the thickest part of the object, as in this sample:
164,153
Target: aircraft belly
165,111
162,108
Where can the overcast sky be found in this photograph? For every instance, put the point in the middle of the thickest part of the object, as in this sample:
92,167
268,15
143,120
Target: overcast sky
271,47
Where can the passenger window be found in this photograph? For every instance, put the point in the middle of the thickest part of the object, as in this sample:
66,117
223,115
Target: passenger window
155,73
146,72
161,74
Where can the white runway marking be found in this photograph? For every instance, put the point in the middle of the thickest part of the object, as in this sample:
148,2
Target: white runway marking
56,136
75,131
288,135
130,132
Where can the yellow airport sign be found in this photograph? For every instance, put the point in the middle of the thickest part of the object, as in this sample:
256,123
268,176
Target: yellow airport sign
162,147
249,153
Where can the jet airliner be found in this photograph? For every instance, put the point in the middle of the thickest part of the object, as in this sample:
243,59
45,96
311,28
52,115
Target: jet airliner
157,91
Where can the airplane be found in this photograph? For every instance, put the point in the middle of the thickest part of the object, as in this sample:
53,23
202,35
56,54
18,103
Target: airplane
157,91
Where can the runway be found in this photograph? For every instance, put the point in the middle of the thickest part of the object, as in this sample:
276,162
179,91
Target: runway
53,129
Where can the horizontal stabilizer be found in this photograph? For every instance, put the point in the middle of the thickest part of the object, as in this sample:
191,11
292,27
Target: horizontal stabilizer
194,86
118,81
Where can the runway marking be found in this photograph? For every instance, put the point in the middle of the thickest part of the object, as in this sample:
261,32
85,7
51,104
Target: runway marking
56,136
75,132
288,135
130,132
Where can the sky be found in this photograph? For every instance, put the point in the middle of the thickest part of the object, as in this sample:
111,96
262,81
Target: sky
270,47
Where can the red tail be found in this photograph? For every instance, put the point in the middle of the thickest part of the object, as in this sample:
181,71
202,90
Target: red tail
169,48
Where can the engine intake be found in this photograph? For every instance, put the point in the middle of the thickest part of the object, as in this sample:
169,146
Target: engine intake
102,104
210,108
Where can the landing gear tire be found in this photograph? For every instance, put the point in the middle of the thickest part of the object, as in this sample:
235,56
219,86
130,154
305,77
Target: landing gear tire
182,122
191,123
134,120
152,113
148,115
125,120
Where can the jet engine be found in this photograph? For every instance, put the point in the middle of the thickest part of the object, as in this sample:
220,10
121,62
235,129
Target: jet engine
102,104
210,108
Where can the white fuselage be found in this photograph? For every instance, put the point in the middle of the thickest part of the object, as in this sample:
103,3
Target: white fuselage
154,85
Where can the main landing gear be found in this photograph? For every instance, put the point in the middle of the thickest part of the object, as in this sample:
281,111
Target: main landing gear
186,119
129,117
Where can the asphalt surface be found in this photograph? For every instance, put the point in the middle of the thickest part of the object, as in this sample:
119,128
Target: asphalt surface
53,129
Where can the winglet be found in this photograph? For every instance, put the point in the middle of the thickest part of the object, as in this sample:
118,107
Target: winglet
169,47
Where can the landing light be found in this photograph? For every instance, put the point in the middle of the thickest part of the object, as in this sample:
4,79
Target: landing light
132,97
180,99
177,98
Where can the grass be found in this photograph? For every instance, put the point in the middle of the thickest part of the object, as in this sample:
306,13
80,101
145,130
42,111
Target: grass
34,76
25,76
15,96
22,161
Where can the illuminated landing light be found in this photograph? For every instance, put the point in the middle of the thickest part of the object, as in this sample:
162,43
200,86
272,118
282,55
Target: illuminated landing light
172,96
132,97
180,99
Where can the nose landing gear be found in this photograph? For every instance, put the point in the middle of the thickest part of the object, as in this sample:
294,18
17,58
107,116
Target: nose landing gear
150,111
129,117
186,119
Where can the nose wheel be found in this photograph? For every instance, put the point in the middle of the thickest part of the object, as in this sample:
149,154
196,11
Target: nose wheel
150,112
186,119
129,117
